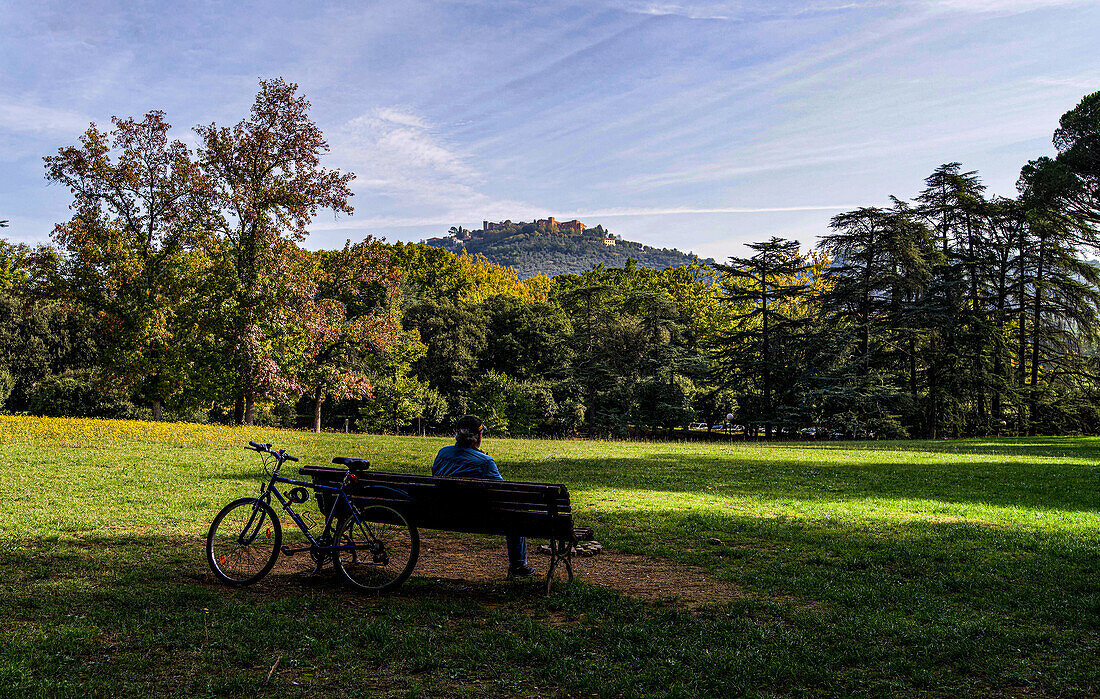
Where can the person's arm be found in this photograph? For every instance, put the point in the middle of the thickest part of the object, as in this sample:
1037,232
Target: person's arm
490,469
437,464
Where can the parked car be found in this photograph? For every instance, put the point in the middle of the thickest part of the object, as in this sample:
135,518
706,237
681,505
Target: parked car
697,426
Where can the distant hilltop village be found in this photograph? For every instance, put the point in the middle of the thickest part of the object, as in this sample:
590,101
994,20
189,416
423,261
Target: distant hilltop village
459,236
551,247
542,223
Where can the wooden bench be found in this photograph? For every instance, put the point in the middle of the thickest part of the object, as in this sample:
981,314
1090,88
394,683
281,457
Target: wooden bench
532,510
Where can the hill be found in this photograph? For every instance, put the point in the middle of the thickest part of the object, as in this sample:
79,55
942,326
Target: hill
553,247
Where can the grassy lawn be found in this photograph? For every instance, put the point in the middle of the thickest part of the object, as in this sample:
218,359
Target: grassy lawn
931,568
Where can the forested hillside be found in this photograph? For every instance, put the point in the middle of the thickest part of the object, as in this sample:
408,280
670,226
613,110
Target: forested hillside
532,249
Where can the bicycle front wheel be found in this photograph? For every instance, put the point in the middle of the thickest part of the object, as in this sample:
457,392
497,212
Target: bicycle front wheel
244,541
377,552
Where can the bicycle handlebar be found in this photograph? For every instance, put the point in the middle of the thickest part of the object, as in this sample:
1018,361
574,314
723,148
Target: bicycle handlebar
266,448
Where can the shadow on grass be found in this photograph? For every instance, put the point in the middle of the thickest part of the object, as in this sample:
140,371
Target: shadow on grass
934,570
844,608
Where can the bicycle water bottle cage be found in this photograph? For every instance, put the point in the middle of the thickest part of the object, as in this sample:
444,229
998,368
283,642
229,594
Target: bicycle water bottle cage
354,465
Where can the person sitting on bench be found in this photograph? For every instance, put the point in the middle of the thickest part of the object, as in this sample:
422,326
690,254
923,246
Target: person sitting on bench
466,460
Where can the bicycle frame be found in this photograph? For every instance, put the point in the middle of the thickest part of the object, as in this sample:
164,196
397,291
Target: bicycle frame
270,488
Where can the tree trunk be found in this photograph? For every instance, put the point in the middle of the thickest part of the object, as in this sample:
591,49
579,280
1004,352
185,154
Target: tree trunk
157,410
913,369
999,351
933,395
250,408
238,410
318,398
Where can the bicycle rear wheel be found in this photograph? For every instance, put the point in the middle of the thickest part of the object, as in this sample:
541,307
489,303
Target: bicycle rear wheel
377,552
244,541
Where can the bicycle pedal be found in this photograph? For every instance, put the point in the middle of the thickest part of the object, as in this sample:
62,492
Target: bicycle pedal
287,551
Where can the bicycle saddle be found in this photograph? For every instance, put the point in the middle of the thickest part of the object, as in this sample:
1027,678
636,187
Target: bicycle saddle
354,465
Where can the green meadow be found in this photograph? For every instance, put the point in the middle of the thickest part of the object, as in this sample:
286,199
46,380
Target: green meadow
940,568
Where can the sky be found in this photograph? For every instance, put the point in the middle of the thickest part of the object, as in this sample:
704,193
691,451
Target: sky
701,126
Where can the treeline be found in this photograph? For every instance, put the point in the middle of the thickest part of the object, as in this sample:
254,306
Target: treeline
179,290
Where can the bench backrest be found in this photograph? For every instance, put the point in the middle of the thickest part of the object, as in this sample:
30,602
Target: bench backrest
539,510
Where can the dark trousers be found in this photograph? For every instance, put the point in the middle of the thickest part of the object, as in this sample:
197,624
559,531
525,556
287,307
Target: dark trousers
517,550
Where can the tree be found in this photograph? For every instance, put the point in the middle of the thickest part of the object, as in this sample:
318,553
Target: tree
1009,265
1078,142
398,398
881,263
47,343
14,270
455,339
138,200
1064,294
767,282
433,274
352,314
585,301
953,203
665,402
527,341
268,184
508,406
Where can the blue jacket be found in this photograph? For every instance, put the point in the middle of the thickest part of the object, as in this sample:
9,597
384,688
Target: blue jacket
464,462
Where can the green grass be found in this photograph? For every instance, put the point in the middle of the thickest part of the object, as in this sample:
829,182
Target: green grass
930,568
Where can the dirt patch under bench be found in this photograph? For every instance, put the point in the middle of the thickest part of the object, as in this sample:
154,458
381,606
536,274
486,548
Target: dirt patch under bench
476,561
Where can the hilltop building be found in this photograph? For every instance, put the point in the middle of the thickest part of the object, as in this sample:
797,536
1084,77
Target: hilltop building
550,223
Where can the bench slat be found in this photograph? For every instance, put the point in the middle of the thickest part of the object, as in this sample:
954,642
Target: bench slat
338,474
502,491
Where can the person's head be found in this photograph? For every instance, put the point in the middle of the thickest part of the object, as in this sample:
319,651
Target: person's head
468,431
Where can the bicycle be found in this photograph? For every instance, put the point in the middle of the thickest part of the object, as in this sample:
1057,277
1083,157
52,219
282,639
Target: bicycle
374,547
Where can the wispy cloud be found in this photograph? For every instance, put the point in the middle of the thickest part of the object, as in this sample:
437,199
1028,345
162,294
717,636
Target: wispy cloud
395,151
1002,6
400,149
26,116
1084,82
741,9
400,156
523,212
702,119
684,210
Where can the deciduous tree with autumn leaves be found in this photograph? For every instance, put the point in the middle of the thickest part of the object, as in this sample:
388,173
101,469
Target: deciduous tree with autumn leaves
191,260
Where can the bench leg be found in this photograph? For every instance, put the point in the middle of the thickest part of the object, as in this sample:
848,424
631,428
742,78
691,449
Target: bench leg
559,551
553,564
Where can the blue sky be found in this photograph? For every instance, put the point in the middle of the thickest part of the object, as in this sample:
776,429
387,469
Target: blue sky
700,126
